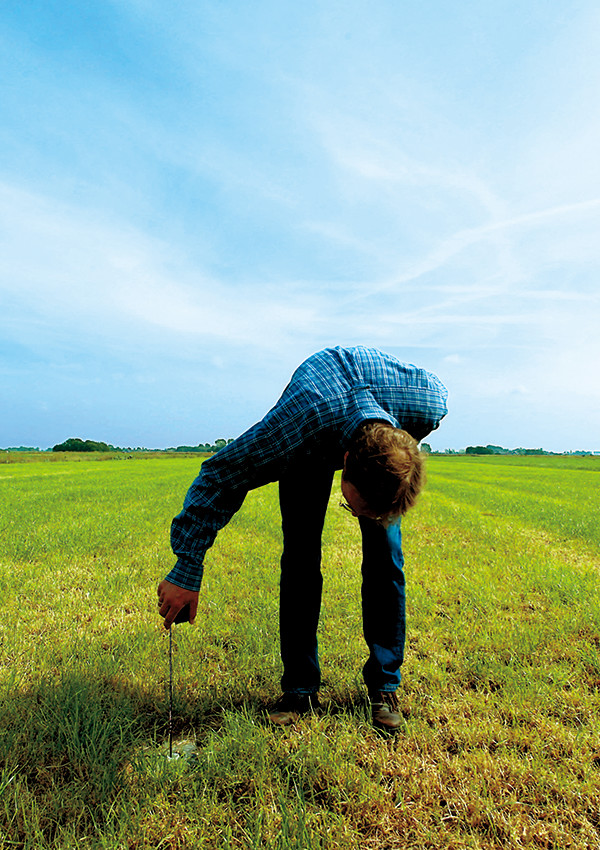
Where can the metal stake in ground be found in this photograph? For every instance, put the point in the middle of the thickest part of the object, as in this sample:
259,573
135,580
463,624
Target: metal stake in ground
170,692
182,617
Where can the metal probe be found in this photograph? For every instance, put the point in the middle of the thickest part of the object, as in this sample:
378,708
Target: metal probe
170,693
182,617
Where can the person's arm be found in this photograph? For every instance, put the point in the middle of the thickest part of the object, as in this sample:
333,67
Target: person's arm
213,498
208,507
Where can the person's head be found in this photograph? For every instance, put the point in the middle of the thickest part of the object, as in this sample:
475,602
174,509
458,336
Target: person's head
383,471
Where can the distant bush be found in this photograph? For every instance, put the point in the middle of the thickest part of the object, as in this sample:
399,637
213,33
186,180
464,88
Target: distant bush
207,448
74,444
201,447
498,450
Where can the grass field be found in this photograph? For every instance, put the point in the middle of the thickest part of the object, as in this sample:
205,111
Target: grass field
501,690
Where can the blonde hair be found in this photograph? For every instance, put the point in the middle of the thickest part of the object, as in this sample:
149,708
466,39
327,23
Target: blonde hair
386,467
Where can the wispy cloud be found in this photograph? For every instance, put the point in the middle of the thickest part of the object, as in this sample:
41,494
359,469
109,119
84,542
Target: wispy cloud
77,271
469,237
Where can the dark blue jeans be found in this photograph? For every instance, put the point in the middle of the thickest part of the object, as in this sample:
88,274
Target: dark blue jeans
303,496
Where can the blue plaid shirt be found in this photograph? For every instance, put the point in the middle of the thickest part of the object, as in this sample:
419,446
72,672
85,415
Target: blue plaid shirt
329,396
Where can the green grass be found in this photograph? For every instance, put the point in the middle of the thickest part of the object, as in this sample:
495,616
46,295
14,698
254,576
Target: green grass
500,746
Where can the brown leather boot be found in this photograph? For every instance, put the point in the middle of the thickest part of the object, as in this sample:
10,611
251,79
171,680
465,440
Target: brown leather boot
386,711
289,707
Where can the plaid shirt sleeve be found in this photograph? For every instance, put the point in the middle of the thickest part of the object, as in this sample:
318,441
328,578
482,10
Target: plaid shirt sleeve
327,399
215,496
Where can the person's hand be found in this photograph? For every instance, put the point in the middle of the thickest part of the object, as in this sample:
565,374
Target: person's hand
172,598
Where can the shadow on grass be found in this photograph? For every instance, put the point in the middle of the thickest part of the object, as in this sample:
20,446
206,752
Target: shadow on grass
85,717
78,748
81,728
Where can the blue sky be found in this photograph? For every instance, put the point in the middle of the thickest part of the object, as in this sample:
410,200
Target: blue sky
196,196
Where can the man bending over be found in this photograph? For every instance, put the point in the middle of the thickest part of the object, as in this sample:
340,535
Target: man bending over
355,409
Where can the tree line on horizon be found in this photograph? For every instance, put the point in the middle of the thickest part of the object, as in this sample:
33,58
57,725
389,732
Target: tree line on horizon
500,450
75,444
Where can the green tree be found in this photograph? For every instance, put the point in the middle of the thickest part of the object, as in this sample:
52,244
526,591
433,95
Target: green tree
75,444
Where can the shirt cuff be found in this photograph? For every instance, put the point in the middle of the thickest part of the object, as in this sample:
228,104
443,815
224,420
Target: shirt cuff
188,576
